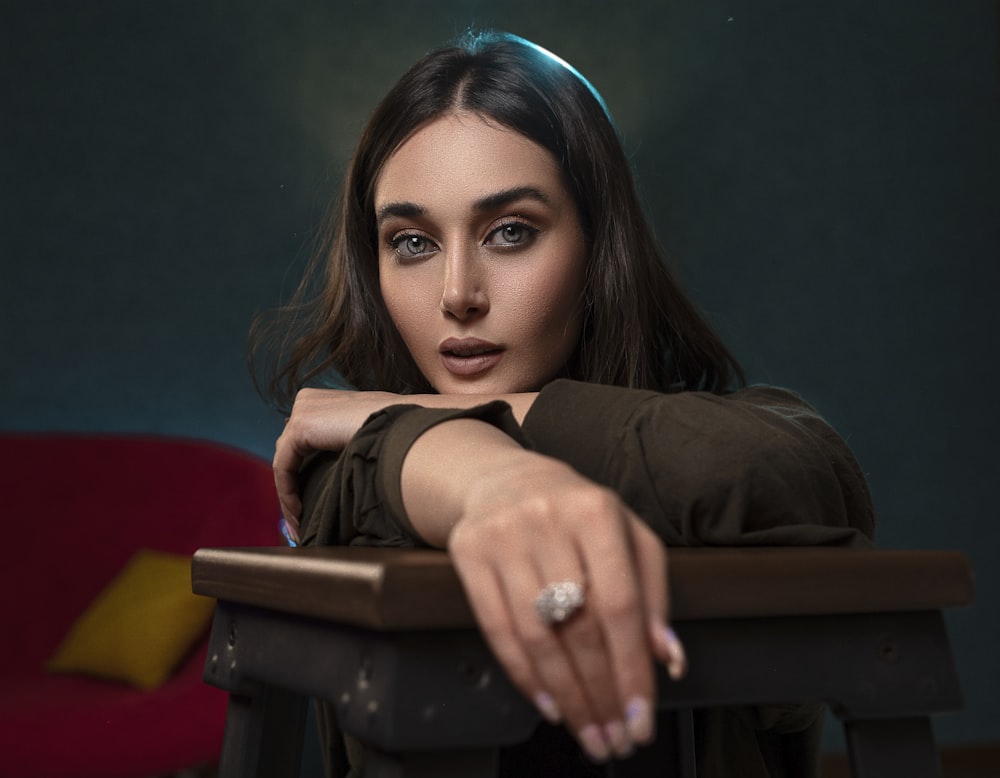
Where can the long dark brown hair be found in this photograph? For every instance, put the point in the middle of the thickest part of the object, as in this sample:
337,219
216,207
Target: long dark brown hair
640,329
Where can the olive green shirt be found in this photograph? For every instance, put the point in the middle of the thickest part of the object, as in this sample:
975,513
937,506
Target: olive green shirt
756,467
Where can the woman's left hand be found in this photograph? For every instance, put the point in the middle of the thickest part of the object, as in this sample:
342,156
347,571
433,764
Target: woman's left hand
321,420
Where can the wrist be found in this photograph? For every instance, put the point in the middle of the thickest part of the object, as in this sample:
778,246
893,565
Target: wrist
442,467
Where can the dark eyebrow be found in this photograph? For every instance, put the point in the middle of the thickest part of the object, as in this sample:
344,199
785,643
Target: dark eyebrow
404,210
486,203
499,199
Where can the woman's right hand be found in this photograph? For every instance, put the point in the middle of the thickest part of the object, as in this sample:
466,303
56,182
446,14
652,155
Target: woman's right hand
515,521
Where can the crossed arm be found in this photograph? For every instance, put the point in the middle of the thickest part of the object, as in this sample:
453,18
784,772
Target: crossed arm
727,471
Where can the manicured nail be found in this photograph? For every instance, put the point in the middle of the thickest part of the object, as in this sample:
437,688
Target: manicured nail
592,740
639,720
288,531
676,656
617,736
548,708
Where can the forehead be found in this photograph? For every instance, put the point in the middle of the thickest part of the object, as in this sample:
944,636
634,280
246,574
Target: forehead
465,156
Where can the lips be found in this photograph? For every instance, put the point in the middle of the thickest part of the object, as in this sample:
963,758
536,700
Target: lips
469,356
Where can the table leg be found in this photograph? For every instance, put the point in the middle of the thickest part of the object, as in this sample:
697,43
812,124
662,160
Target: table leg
263,736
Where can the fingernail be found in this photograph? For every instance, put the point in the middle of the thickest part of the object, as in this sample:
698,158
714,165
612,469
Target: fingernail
639,720
676,656
548,708
288,532
617,736
592,740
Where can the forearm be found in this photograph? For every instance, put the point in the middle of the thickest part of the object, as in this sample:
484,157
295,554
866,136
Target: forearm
328,420
441,466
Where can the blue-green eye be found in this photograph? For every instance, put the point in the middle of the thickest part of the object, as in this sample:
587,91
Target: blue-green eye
411,246
511,234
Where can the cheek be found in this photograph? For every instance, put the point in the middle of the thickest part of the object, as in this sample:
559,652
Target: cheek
550,303
564,289
402,301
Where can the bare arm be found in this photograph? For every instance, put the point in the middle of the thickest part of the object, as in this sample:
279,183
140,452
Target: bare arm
326,419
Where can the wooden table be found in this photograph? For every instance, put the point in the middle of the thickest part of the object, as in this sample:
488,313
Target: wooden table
387,636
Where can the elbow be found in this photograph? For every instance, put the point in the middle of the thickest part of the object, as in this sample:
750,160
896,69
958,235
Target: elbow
779,493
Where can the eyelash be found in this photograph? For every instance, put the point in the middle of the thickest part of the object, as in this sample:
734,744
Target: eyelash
396,241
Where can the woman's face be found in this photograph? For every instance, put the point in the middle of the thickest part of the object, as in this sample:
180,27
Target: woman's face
481,257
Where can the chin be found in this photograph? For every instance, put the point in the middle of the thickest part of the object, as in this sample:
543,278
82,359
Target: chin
489,386
469,387
483,385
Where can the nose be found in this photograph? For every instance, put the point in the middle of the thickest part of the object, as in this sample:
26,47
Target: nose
464,295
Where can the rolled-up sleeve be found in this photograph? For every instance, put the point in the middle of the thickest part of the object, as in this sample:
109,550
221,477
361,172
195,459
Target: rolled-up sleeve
353,497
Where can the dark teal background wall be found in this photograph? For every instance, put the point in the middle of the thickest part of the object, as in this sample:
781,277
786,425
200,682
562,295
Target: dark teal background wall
825,174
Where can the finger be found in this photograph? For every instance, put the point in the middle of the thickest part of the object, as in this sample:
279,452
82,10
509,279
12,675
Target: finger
286,485
565,676
669,646
617,600
489,605
651,567
285,467
289,531
529,650
572,658
600,728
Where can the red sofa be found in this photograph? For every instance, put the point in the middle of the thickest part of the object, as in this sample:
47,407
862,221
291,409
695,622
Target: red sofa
76,508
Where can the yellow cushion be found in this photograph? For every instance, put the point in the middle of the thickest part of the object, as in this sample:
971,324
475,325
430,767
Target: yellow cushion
140,627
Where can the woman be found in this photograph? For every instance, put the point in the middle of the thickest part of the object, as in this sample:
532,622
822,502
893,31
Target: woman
536,395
